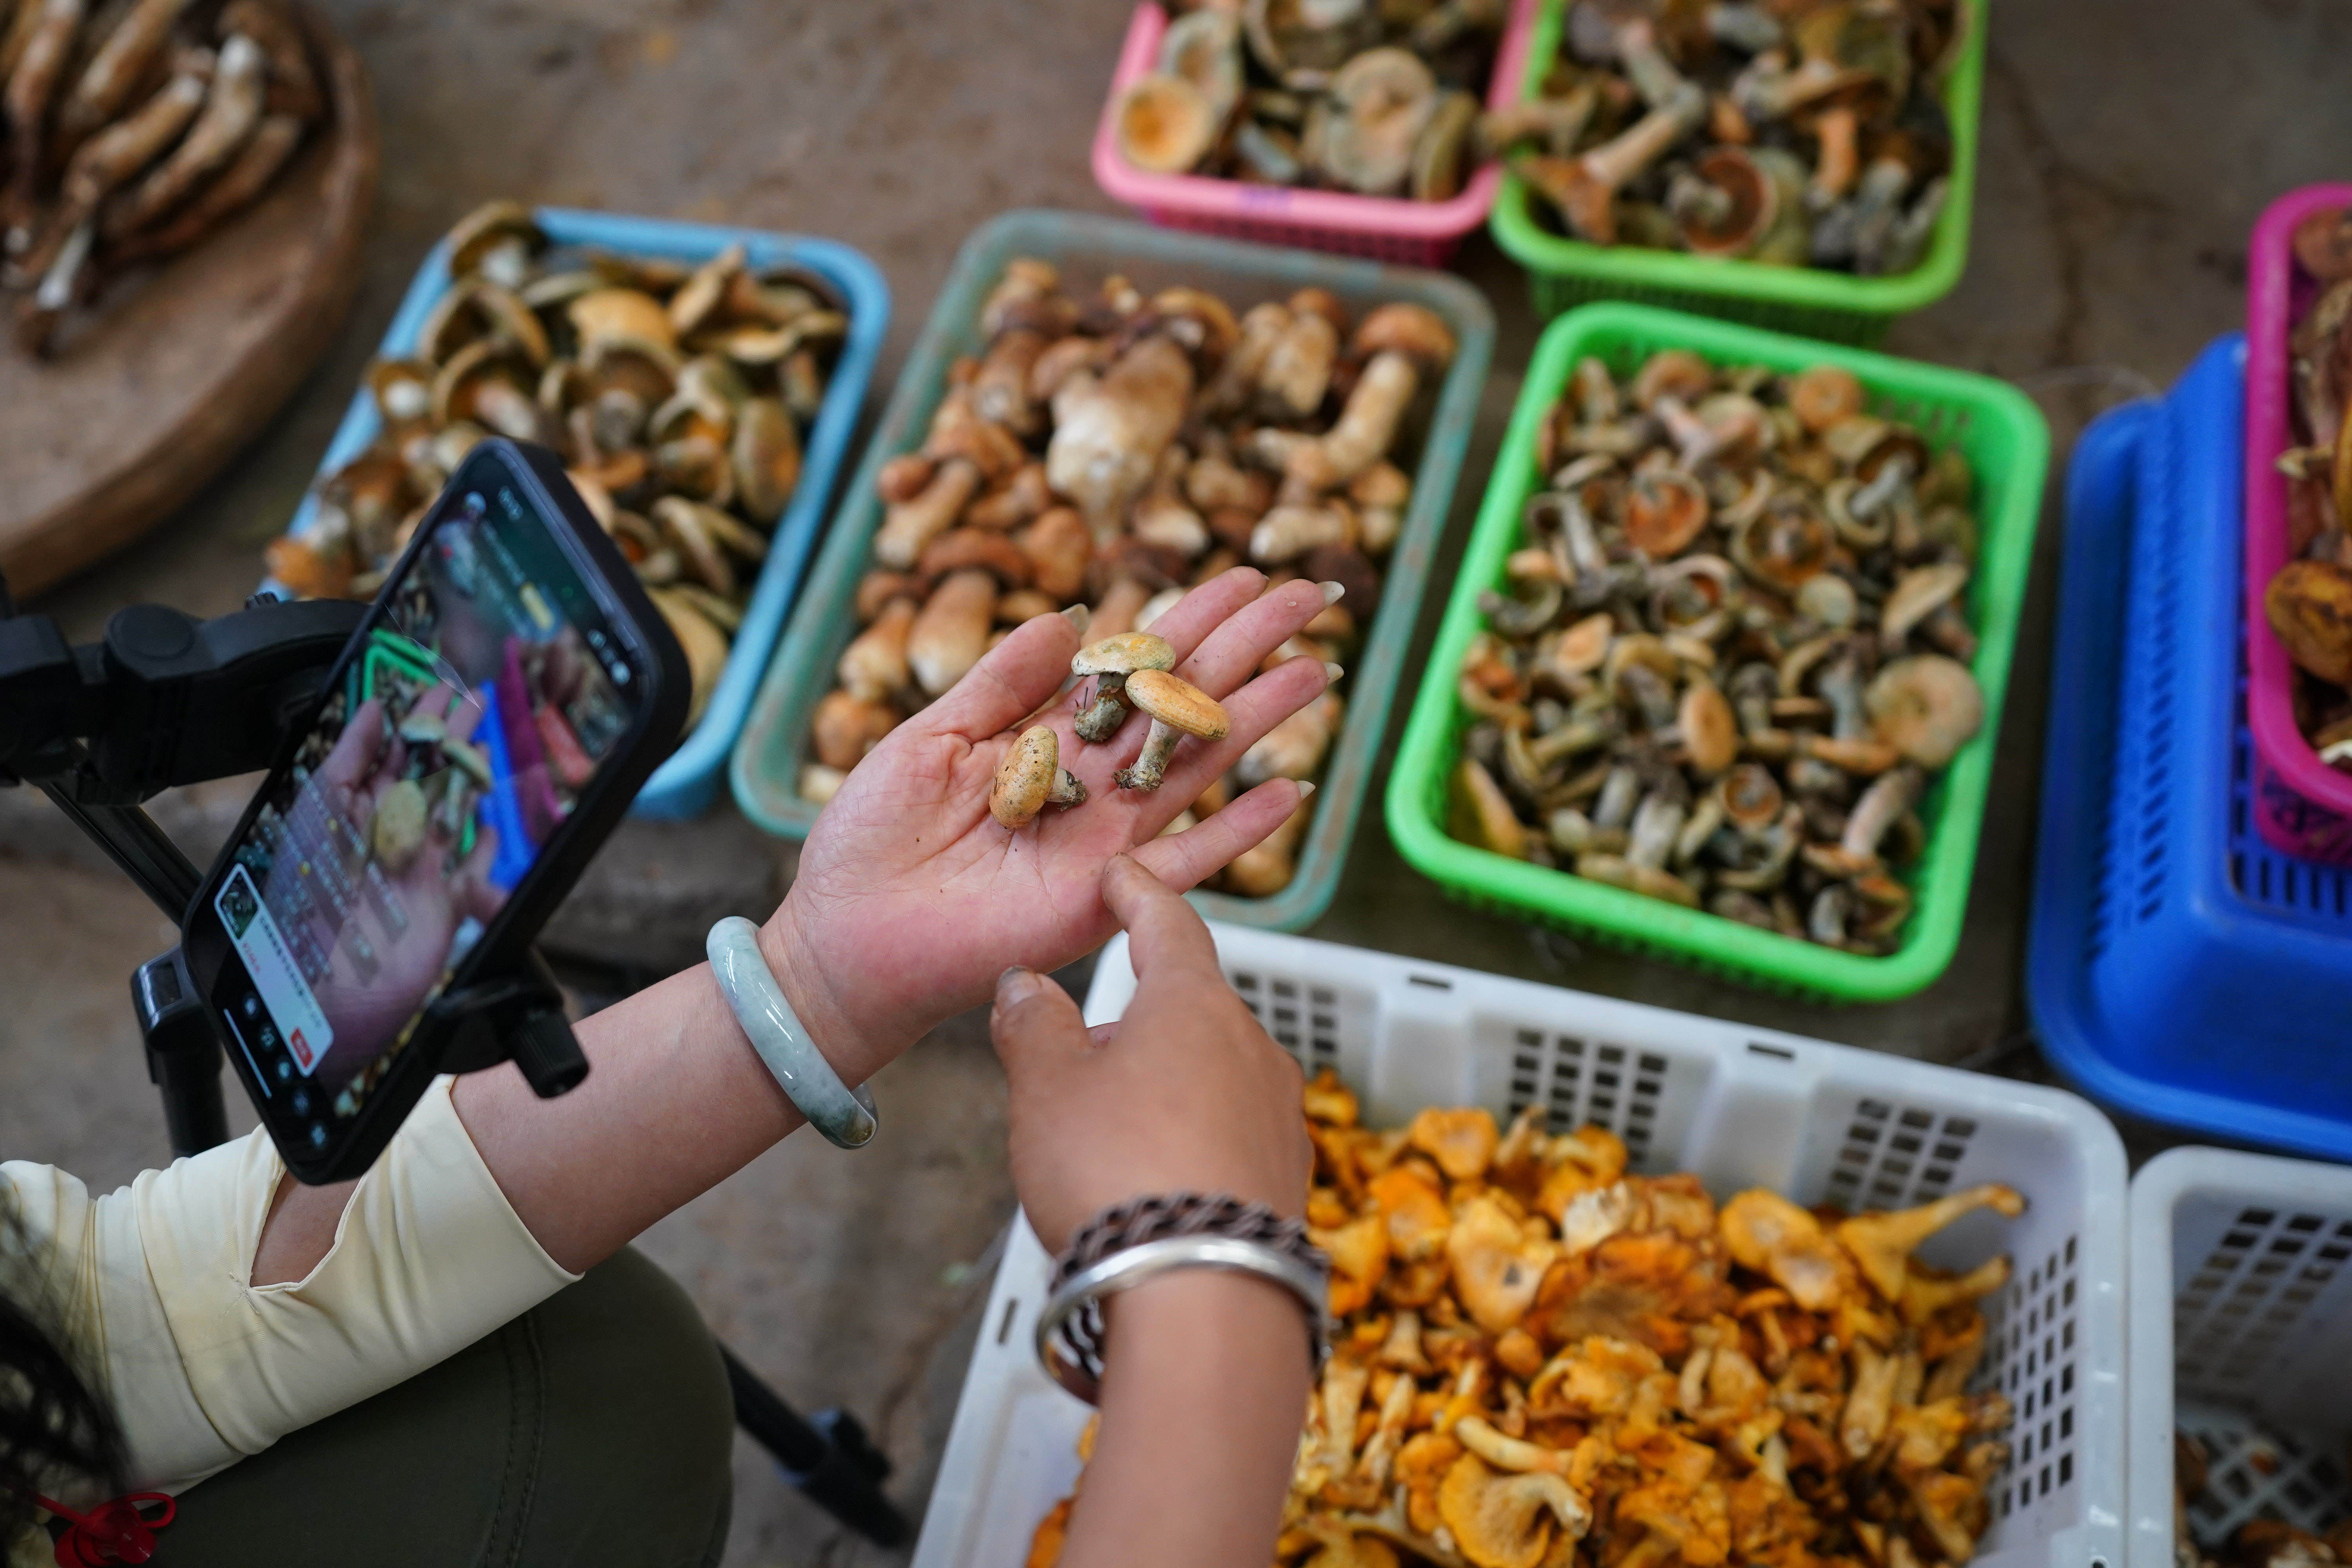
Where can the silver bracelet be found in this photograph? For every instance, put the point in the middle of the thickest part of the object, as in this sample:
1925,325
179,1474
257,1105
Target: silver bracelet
845,1116
1131,1243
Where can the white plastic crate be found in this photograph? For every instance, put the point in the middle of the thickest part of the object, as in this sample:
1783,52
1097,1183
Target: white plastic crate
1739,1107
2242,1335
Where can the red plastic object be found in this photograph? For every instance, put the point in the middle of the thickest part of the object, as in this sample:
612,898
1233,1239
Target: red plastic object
111,1533
1383,228
2301,807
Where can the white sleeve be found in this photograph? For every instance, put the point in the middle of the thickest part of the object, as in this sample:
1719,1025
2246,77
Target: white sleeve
155,1284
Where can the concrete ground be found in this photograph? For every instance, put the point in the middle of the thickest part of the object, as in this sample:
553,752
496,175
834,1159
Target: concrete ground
2128,146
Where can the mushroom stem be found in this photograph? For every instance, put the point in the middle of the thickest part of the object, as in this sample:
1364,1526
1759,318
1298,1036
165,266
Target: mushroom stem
1103,716
1151,767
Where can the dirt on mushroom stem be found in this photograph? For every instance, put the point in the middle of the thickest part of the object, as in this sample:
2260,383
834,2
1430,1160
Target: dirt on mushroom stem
1109,450
1542,1358
1708,659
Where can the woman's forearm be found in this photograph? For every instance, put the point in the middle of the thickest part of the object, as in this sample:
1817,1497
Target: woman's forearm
1203,1394
674,1101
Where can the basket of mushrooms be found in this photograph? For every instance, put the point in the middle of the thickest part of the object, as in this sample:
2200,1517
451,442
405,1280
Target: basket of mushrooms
1805,166
1342,125
1722,675
2298,498
701,385
1100,415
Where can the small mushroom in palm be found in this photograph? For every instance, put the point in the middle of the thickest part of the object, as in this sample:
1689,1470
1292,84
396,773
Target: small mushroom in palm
1030,776
1111,661
1177,708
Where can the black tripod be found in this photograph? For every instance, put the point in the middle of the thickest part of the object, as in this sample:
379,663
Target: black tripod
168,700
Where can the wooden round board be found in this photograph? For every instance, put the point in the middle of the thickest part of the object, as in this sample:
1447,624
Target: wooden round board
153,392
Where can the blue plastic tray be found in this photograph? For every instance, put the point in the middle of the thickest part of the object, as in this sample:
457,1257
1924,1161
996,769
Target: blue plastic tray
687,780
2179,969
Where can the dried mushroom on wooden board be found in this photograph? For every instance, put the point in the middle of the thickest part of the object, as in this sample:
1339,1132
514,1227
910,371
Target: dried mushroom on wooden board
1113,450
2308,601
1542,1360
1734,652
1808,133
1340,94
134,130
679,395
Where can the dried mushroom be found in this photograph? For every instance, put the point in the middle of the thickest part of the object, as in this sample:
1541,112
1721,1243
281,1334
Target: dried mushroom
1542,1360
677,397
134,130
1730,652
1111,450
1806,133
1331,94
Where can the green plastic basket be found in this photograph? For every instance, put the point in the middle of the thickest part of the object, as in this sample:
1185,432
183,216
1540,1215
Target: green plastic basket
1565,273
766,760
2004,439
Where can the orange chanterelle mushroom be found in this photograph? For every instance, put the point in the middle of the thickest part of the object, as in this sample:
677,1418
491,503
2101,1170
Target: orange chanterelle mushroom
1543,1358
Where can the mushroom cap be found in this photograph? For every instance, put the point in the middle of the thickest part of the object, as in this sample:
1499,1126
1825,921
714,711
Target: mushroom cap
1364,131
1755,206
486,226
1178,703
1751,797
1766,1232
766,453
1916,595
1415,331
2309,606
1442,151
1124,654
1710,730
1165,124
1824,395
1204,47
2323,244
1676,372
1462,1141
1219,330
1498,1268
1664,510
1584,646
1927,707
609,313
1501,1521
1026,776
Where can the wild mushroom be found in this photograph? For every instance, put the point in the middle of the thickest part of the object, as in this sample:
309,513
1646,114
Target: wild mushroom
1177,708
1504,1520
2309,606
1294,747
1402,343
1029,777
1108,434
1766,1233
1585,188
1927,707
847,727
1165,124
1883,1243
1111,661
1461,1141
1363,133
951,632
874,664
1918,595
1725,205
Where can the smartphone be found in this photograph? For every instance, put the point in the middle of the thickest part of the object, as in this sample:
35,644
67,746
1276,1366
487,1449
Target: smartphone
509,691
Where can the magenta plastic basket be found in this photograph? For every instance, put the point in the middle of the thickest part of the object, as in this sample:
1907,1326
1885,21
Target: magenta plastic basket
2301,807
1383,228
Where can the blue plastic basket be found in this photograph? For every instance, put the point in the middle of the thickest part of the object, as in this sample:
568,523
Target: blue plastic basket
687,780
2179,969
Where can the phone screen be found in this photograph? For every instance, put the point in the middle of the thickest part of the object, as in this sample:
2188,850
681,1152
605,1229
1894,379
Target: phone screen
487,695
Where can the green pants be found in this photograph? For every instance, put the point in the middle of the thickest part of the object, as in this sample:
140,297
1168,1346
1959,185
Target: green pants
593,1430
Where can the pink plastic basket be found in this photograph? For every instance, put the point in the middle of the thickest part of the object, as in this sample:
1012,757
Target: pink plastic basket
2301,807
1384,228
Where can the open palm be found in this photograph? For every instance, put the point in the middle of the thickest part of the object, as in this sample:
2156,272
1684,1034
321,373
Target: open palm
912,900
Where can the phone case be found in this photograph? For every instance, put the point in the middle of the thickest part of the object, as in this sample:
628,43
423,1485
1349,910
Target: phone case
441,1042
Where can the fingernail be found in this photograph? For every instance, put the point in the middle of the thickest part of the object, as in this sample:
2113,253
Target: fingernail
1016,985
1331,591
1332,672
1078,615
1306,788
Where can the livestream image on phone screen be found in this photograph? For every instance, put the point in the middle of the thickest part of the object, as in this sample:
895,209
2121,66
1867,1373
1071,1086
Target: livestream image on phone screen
454,744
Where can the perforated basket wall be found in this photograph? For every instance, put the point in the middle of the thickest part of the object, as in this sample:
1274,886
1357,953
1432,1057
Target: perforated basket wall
2240,1335
1741,1108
